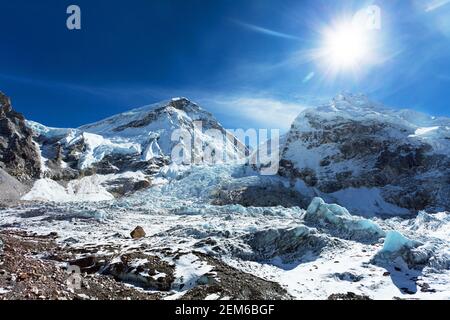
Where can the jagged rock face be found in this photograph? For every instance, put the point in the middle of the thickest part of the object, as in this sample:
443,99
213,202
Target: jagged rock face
18,153
260,196
354,143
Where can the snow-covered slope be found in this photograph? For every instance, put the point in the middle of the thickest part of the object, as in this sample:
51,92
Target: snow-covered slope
140,140
398,158
10,188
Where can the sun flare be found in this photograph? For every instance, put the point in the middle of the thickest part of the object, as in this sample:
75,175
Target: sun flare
346,46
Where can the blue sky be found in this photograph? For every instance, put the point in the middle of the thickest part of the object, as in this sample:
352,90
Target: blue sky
253,63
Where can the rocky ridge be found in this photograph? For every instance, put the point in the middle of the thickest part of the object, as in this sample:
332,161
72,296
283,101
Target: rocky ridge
19,155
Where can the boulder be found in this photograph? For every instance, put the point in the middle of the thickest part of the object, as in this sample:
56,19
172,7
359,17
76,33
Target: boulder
138,233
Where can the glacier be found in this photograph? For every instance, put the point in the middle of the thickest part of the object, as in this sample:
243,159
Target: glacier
308,252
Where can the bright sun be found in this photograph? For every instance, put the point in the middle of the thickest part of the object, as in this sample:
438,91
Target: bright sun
345,47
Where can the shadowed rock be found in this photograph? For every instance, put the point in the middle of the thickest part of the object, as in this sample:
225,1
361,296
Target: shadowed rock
18,153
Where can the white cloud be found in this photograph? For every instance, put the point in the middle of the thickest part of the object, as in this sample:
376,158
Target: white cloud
435,4
264,112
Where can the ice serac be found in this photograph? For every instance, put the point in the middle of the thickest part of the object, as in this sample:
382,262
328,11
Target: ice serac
341,223
19,155
395,241
288,245
400,251
399,158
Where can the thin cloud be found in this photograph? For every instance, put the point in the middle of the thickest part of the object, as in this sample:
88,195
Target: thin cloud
308,77
436,4
265,31
264,112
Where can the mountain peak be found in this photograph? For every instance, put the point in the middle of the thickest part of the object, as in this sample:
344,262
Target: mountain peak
352,98
164,114
5,102
346,106
179,101
359,107
183,104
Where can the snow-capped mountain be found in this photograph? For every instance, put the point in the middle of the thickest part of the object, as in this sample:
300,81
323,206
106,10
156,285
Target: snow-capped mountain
140,140
370,158
352,151
152,127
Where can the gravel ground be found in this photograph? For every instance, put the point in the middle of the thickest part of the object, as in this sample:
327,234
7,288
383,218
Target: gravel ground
34,267
25,273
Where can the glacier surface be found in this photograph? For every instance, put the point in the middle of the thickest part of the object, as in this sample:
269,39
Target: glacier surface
312,253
